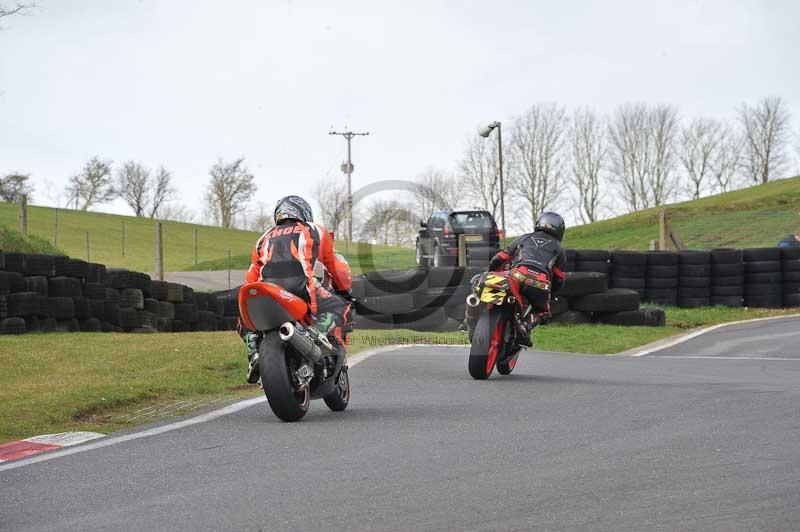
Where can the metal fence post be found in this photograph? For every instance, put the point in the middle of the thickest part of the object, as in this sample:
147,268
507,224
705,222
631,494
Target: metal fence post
159,268
55,235
23,215
462,251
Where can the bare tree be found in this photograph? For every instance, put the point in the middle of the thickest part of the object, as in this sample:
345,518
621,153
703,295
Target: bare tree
177,212
435,190
331,197
133,186
163,191
589,152
643,154
17,9
146,194
727,166
537,154
388,222
630,153
92,186
229,190
15,186
699,151
664,126
766,130
480,172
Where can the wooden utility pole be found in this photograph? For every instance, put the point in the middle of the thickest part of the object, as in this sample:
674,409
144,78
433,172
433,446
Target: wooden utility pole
23,215
159,269
347,168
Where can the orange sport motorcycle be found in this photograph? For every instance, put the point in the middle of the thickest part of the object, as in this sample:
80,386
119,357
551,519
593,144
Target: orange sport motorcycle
297,360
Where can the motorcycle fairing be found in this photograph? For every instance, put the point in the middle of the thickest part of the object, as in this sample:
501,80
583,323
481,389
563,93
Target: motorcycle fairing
266,306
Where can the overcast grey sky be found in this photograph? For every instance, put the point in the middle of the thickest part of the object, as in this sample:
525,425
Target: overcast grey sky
181,83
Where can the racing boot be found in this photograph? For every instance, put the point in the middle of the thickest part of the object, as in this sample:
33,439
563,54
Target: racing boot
253,370
524,328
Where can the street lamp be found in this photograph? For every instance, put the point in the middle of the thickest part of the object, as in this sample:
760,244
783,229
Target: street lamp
347,168
484,131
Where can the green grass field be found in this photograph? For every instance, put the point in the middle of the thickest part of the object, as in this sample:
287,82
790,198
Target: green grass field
99,382
106,242
751,217
756,216
362,258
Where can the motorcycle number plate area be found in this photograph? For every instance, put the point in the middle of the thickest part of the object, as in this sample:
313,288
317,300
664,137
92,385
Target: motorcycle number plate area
493,296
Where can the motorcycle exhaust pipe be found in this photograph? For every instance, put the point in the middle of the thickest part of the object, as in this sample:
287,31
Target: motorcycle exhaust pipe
299,339
472,313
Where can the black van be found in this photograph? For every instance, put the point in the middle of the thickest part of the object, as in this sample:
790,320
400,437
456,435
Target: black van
437,241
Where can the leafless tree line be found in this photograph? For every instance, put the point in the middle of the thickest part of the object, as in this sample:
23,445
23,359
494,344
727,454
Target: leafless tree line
639,156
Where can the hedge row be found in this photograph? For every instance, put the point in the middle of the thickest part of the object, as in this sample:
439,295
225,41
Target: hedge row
43,293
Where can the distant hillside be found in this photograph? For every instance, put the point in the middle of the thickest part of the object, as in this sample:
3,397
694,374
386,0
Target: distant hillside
751,217
106,243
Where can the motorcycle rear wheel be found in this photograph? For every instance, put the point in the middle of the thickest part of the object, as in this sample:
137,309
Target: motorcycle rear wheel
487,343
287,401
339,398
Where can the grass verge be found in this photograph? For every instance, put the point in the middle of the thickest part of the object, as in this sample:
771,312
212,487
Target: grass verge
362,258
108,382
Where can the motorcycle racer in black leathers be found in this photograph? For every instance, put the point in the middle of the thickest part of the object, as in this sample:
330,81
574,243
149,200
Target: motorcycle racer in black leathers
536,262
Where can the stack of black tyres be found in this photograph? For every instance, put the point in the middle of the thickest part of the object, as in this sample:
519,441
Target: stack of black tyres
790,264
727,277
628,270
763,277
576,286
571,255
661,278
694,279
388,294
447,289
592,260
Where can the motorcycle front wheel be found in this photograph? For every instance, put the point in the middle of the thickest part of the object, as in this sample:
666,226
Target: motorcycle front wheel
287,401
487,343
339,398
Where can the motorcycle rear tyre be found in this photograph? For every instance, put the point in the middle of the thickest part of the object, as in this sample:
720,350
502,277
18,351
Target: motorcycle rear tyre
285,401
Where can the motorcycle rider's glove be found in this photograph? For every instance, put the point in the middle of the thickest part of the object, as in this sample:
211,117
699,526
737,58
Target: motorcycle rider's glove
347,295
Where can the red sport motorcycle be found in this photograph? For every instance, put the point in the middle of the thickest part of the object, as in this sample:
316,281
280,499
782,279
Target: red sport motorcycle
297,360
493,316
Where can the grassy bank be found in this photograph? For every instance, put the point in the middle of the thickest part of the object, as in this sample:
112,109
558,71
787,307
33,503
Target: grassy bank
110,233
362,258
103,382
751,217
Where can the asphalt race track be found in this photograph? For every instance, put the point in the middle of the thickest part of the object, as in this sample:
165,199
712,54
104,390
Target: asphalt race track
665,442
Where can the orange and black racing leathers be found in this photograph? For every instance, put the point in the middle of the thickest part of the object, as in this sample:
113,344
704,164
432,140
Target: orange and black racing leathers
537,268
285,255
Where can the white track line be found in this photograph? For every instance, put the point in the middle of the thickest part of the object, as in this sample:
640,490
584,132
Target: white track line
661,345
731,358
202,418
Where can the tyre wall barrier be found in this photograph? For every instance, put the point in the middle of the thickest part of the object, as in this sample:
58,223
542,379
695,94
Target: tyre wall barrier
44,293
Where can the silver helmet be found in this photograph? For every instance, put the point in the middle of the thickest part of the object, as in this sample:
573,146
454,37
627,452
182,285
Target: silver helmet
293,207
